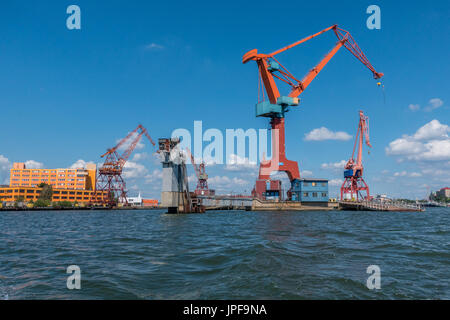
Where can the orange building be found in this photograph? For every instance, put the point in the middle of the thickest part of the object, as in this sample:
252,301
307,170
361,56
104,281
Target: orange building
149,202
10,194
77,179
74,185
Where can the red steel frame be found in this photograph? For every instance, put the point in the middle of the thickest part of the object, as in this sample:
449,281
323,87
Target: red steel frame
279,162
109,178
355,184
202,177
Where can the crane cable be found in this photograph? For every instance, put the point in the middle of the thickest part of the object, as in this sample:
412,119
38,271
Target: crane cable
380,84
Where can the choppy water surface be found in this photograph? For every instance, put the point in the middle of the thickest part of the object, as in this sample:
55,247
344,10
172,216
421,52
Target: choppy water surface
225,255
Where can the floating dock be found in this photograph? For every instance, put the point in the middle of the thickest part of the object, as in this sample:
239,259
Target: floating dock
267,205
378,206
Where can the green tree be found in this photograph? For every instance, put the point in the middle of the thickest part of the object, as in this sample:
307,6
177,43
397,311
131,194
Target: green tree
19,200
46,192
41,203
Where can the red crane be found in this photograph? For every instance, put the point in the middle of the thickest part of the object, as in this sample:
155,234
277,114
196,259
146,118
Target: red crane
110,183
269,69
202,177
354,184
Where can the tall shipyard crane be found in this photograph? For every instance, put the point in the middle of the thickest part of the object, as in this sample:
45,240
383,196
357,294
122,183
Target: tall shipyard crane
354,184
277,105
202,177
110,185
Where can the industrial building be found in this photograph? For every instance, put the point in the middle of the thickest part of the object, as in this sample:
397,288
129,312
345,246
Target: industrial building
310,190
73,185
10,194
141,202
77,179
443,193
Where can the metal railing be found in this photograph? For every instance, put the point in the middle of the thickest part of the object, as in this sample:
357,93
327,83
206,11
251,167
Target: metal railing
390,205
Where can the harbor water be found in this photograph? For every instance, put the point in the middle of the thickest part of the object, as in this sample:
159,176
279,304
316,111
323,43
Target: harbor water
146,254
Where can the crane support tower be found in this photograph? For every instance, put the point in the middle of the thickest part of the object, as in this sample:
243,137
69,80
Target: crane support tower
109,179
354,185
175,195
277,105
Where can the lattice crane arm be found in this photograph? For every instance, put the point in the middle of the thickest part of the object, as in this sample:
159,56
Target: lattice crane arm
267,70
362,133
196,169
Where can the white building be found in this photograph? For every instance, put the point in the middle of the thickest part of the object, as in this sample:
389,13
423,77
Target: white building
135,201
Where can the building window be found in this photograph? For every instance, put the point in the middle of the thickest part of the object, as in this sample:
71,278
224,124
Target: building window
324,194
305,194
314,194
324,184
313,184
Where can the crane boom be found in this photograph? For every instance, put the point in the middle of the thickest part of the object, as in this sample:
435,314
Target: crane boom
267,71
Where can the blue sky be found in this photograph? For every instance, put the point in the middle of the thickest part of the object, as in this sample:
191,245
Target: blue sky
67,95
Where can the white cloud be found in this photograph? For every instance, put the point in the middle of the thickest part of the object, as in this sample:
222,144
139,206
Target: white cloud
153,176
31,164
407,174
434,104
334,165
306,173
237,163
5,166
415,174
414,107
323,133
226,181
430,143
133,169
153,46
140,156
432,130
335,182
80,164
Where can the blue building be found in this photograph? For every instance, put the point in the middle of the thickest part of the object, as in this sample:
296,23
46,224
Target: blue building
310,190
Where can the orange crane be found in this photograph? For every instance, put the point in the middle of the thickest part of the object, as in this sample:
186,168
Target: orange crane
354,183
202,177
277,105
110,183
